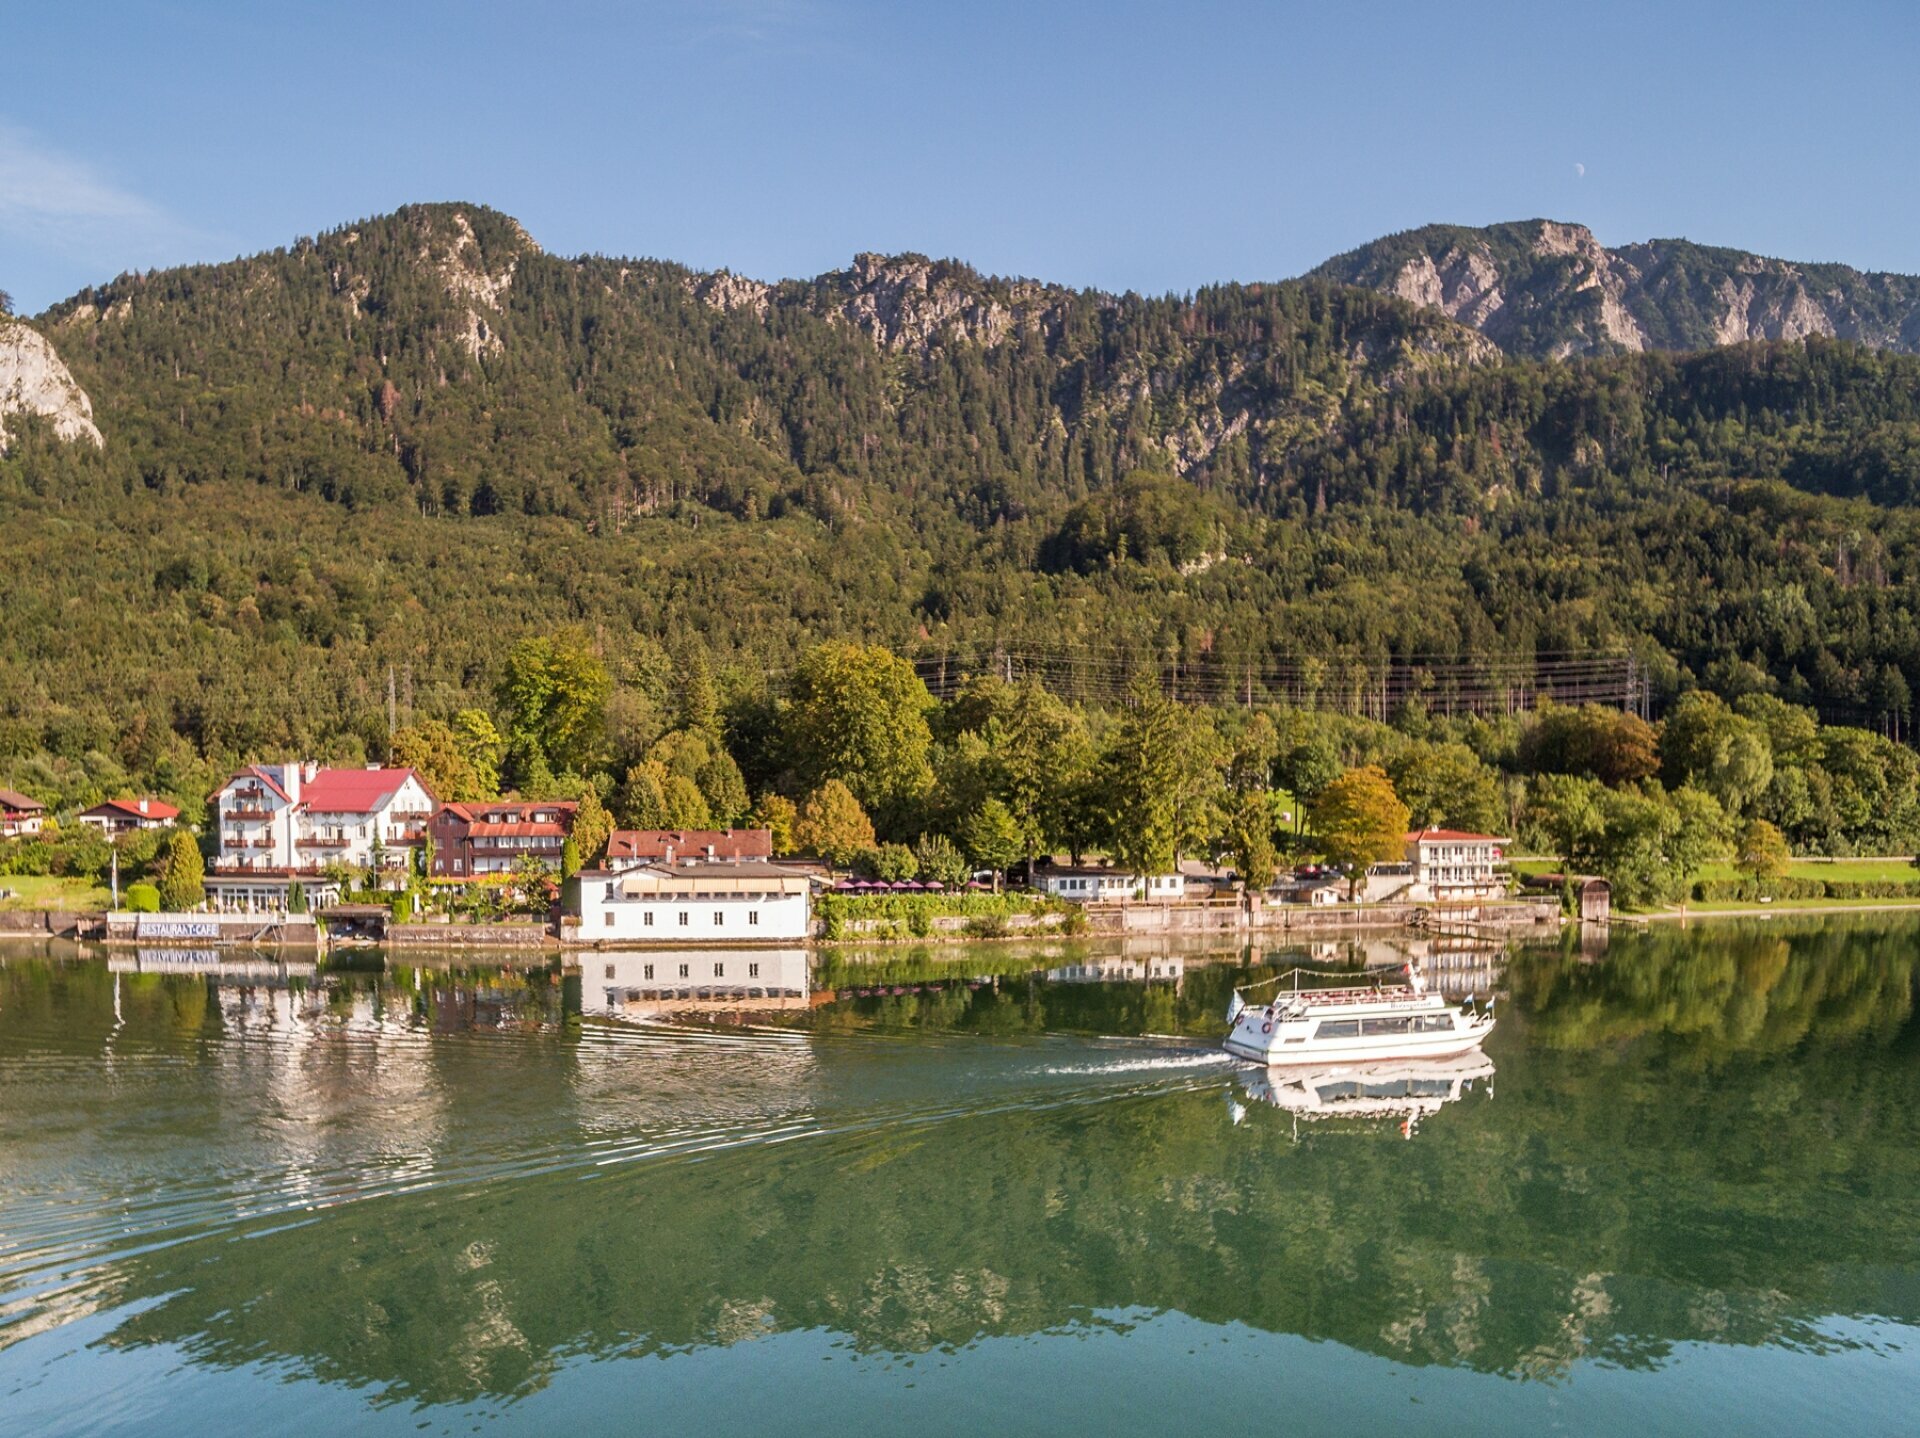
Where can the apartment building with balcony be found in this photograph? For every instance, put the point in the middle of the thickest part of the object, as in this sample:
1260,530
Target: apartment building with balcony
474,840
280,824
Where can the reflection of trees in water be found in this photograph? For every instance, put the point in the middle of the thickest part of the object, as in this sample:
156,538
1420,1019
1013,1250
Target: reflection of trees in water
1610,1203
1732,990
1592,1210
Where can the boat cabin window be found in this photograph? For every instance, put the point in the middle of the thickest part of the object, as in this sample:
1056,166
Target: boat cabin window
1371,1027
1338,1029
1433,1023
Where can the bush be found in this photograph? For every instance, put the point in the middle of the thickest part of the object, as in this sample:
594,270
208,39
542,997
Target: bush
987,926
143,899
1747,891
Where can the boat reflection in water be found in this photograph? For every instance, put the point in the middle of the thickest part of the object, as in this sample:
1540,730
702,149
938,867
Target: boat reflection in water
1405,1089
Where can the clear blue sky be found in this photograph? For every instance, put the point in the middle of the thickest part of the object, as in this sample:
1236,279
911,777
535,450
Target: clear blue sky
1127,145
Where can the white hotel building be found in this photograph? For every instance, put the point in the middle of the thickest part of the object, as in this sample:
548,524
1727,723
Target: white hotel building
280,824
716,901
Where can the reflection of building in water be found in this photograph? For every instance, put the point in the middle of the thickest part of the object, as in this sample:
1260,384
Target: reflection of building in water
1458,966
1455,965
1407,1089
692,981
1170,968
216,964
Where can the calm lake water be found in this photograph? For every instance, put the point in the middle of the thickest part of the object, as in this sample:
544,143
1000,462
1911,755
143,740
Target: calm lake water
949,1191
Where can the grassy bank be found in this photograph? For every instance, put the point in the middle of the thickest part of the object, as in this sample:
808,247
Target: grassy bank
40,891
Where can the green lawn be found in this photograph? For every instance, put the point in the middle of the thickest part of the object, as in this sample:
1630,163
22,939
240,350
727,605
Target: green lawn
1859,871
1856,870
1745,906
34,891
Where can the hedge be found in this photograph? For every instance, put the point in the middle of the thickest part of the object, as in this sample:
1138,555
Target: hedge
917,911
1747,891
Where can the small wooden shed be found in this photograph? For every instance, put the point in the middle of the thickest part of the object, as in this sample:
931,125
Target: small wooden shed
1592,895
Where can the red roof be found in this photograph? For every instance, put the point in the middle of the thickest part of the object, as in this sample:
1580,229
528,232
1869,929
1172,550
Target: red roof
484,830
156,810
1452,836
477,811
353,791
690,843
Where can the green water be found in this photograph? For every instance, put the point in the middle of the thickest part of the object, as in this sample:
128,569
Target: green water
951,1194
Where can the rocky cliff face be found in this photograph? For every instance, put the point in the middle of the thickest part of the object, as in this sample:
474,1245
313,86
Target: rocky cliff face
1541,288
34,381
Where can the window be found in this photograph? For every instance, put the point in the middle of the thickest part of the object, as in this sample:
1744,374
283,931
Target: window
647,972
608,917
456,865
646,919
1338,1029
609,890
719,971
1371,1027
609,966
753,917
683,971
753,971
683,918
719,918
1433,1023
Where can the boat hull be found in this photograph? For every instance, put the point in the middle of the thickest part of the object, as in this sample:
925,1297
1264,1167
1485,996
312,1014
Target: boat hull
1247,1042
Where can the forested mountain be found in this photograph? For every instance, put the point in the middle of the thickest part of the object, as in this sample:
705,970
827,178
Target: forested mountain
1543,289
394,448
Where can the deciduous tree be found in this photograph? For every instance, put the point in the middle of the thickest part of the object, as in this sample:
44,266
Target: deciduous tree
859,715
1358,820
833,824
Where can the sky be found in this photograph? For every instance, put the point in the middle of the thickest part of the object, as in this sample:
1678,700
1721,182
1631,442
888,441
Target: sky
1124,145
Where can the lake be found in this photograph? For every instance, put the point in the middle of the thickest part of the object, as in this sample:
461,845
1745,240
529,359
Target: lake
1009,1189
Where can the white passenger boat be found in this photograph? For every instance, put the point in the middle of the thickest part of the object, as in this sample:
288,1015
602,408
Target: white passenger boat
1353,1025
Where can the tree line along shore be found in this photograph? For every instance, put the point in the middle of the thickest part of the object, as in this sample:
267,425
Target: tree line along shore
856,762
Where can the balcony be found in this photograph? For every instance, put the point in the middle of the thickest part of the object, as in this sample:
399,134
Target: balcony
319,843
248,813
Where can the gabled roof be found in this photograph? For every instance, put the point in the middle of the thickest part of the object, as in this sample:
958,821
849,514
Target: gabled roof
155,809
478,811
688,843
354,791
15,802
1452,836
252,771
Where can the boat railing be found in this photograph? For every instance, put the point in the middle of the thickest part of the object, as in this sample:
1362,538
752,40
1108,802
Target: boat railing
1393,992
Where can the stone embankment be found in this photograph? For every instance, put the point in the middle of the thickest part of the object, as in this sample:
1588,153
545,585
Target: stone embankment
1231,917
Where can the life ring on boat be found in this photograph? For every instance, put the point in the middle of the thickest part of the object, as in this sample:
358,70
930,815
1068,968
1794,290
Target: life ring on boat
1267,1027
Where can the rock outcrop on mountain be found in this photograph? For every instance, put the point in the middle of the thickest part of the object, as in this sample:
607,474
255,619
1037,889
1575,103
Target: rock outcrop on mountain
1544,289
33,380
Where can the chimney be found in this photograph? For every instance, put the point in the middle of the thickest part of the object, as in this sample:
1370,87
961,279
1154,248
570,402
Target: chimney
290,780
143,806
